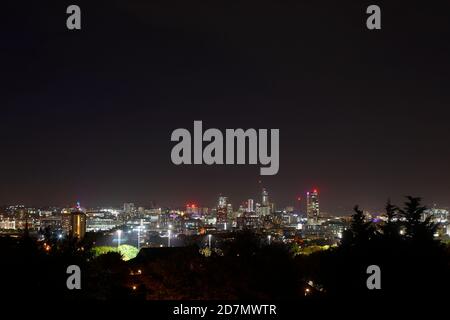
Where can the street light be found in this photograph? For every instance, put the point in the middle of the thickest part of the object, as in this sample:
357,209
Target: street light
139,237
269,237
141,227
209,240
168,237
119,233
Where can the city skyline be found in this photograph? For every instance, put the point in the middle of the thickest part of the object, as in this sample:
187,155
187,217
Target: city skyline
88,114
300,204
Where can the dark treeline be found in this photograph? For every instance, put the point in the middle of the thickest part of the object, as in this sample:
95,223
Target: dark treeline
412,262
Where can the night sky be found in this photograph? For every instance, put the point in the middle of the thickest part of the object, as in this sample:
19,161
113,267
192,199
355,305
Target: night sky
87,115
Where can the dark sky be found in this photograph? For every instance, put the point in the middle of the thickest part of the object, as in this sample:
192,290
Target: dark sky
87,115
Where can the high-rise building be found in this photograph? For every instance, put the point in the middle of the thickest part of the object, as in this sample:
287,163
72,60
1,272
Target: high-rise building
66,221
222,210
78,224
250,207
265,198
222,202
258,209
266,208
312,206
128,208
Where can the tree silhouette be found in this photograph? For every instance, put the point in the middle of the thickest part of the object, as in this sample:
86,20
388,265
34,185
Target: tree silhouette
391,229
419,228
360,232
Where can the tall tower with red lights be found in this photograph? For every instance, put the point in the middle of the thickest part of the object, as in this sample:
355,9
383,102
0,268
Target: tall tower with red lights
312,206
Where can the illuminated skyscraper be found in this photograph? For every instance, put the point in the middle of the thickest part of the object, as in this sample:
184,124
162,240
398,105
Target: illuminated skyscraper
265,208
78,223
222,210
312,206
222,202
66,221
265,198
250,207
